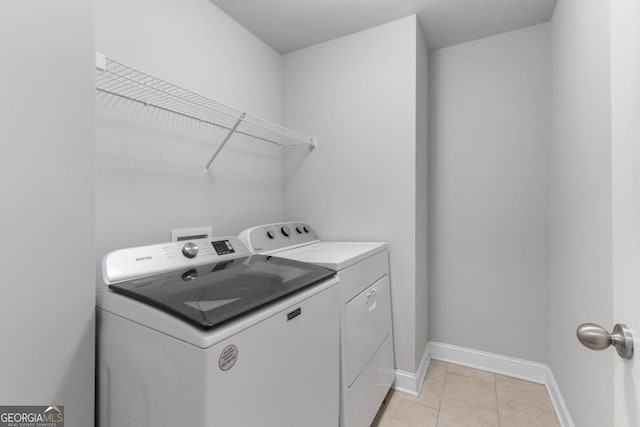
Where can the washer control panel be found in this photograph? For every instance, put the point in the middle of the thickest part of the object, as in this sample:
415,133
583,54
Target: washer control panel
130,263
271,237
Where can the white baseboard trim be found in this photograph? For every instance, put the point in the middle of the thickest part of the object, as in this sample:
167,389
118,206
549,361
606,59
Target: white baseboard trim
510,366
410,383
518,368
564,417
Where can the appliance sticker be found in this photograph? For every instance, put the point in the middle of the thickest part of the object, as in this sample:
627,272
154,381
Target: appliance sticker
228,357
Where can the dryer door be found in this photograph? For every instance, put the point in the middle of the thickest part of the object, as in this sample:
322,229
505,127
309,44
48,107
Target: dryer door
367,324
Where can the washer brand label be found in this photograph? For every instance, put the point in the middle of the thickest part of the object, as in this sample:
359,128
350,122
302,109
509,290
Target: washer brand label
32,416
144,258
228,357
295,313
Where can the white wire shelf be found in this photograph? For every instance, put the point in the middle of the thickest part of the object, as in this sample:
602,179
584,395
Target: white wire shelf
115,78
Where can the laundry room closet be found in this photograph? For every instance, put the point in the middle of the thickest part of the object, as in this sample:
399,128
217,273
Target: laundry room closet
453,139
497,166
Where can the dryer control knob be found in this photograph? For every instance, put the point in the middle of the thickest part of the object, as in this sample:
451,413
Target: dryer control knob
271,234
190,250
299,229
306,229
285,230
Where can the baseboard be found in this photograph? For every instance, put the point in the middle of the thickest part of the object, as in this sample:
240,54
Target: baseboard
564,417
510,366
518,368
410,383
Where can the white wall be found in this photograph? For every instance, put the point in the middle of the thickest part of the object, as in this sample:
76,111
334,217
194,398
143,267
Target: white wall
150,164
422,136
580,248
487,193
358,95
47,215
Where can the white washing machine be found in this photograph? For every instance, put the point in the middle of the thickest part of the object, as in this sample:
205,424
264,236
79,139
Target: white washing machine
366,359
205,334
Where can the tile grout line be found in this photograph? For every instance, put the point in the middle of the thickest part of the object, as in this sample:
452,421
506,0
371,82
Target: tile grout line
495,382
446,371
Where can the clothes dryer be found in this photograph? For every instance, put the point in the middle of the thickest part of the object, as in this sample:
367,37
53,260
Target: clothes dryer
366,359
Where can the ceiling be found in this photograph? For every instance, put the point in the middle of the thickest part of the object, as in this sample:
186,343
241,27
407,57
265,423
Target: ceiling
288,25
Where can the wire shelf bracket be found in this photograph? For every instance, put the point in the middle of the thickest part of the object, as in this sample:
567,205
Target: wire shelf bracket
117,79
226,139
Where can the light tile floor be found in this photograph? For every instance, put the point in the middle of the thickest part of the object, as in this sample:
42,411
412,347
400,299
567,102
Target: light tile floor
457,396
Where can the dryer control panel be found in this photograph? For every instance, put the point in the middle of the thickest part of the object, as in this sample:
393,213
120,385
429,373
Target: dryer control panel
130,263
271,237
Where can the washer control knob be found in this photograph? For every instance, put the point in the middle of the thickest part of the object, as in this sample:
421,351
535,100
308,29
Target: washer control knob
305,228
271,234
299,229
190,250
285,230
